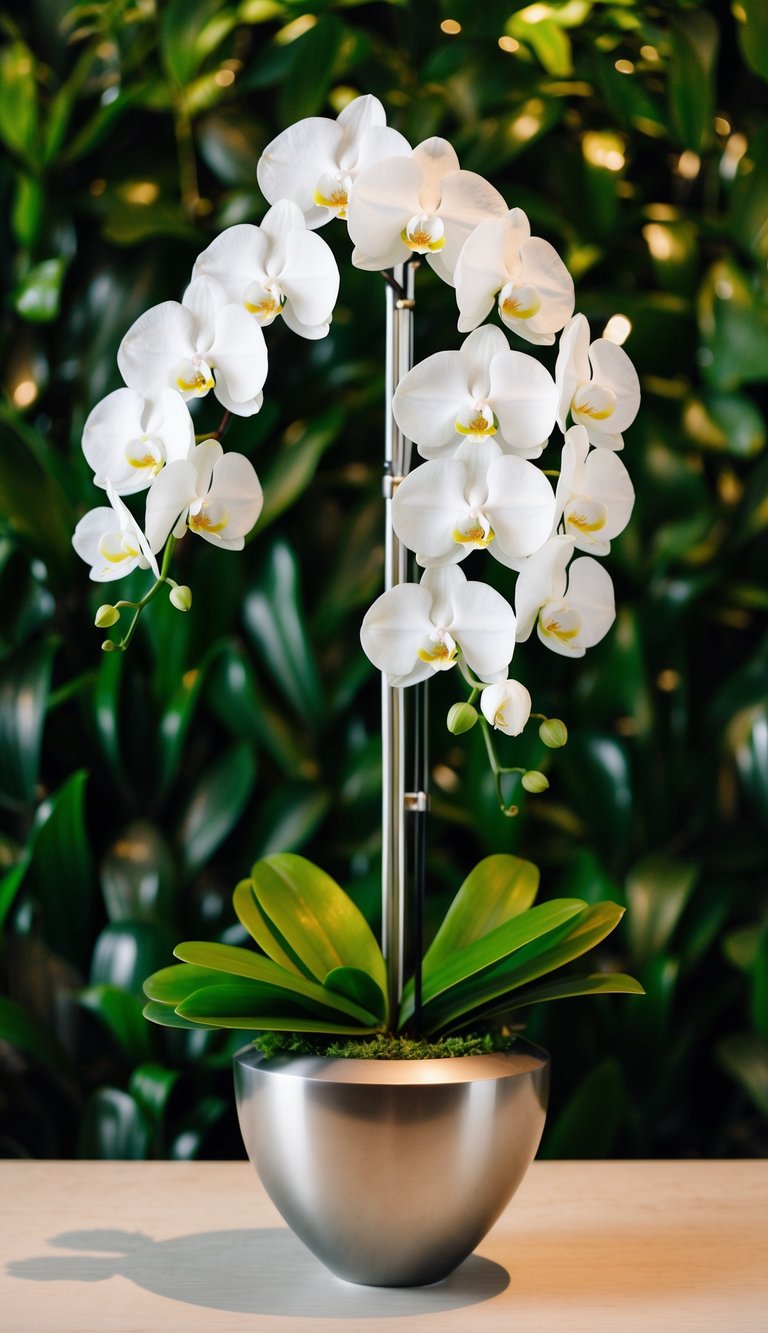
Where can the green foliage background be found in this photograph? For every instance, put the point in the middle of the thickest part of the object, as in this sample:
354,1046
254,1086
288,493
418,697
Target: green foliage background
134,793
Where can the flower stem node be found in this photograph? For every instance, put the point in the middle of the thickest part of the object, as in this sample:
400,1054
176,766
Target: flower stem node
461,717
106,616
181,597
534,781
554,733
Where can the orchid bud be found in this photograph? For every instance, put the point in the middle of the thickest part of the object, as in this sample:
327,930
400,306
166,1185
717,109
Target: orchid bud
109,646
553,732
461,717
181,597
534,781
106,616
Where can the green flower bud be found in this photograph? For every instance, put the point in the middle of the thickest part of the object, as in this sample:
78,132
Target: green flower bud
109,646
534,781
461,717
106,616
554,733
181,597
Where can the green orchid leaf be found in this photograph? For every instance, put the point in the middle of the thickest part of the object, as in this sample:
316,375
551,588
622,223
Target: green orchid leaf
252,918
316,917
497,889
541,956
600,983
359,987
244,963
165,1017
257,1005
173,984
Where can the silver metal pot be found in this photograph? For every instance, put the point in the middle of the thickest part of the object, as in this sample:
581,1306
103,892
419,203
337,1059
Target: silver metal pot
392,1171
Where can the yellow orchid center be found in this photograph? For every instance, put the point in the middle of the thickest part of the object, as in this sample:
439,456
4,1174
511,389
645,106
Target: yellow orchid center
481,423
594,401
333,192
145,455
584,516
477,532
519,300
205,521
194,377
559,621
264,300
424,234
441,652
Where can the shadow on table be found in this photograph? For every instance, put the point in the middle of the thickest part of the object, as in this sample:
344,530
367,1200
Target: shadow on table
251,1272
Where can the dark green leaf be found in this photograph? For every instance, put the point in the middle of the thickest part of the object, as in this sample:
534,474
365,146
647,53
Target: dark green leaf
18,100
590,1121
27,1033
312,70
360,988
189,31
745,1057
121,1015
25,681
275,619
658,889
295,464
125,952
215,805
694,41
59,876
114,1127
137,875
38,295
497,889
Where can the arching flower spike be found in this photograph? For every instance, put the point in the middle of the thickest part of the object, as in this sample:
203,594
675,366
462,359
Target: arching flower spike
594,495
422,204
597,384
500,259
483,391
315,161
506,706
216,495
480,499
277,268
415,629
572,610
111,542
180,346
128,438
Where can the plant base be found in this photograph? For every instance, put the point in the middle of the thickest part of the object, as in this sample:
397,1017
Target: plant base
392,1171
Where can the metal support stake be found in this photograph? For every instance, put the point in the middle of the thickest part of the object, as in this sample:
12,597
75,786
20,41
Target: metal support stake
400,303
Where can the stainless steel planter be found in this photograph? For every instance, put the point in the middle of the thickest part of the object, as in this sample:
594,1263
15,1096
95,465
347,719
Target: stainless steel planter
391,1172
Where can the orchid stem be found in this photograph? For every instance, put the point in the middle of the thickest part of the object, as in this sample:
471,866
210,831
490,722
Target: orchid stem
498,771
123,643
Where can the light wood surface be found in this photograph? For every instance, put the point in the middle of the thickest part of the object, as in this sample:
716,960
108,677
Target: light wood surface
167,1247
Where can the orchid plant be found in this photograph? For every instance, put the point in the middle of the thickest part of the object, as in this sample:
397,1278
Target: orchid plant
480,417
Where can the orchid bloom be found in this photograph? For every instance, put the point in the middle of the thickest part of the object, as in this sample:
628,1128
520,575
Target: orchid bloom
179,346
597,384
128,438
422,204
506,706
111,542
314,162
478,499
594,497
277,268
534,288
483,390
415,629
216,495
572,611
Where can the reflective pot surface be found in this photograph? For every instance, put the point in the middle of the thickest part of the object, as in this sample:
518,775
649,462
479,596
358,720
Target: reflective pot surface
392,1171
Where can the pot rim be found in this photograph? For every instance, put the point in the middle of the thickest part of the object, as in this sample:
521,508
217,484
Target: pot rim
524,1058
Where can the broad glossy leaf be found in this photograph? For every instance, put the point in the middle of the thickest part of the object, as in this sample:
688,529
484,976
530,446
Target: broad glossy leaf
189,31
658,889
360,988
295,463
291,815
18,100
237,699
37,297
745,1057
316,917
274,617
190,1138
137,875
34,506
694,40
752,28
25,682
165,1017
60,872
252,1004
215,805
246,963
599,983
497,889
259,928
121,1015
126,952
173,984
114,1127
589,1123
312,70
151,1086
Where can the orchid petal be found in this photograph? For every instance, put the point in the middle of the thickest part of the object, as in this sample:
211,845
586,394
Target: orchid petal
127,439
524,398
478,352
520,506
484,625
291,164
466,200
171,493
435,157
239,354
204,298
395,627
382,200
428,399
612,368
542,579
236,257
376,143
154,345
506,706
572,368
542,267
427,507
236,486
310,280
590,592
480,272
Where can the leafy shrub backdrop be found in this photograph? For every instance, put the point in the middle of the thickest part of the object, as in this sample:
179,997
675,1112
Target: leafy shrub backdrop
135,792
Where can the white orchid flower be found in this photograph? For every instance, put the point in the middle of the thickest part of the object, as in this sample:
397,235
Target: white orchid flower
277,268
180,345
597,384
506,706
111,542
415,629
500,259
483,390
422,204
216,495
128,438
315,161
479,499
572,610
594,497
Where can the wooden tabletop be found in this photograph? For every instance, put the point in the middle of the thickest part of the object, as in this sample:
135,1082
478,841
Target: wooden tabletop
173,1247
